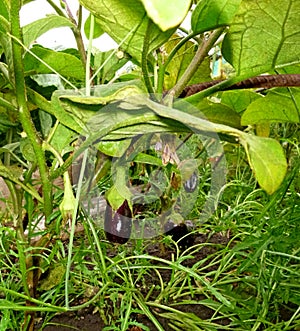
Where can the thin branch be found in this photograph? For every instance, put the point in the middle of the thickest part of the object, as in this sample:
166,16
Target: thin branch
263,81
195,63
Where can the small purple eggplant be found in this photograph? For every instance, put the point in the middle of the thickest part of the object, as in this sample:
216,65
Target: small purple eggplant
191,184
117,224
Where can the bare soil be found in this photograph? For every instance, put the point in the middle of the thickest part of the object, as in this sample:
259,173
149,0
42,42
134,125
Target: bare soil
89,320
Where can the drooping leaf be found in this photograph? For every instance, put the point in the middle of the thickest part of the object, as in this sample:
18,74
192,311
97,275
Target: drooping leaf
265,155
37,28
267,160
127,22
215,112
65,64
167,14
211,14
263,35
280,105
74,108
181,61
220,113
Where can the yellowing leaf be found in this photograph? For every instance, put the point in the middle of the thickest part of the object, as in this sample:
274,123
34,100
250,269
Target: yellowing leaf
267,160
167,14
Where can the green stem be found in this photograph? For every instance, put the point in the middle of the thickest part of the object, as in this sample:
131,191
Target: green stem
163,67
7,105
144,63
88,61
195,63
24,113
56,8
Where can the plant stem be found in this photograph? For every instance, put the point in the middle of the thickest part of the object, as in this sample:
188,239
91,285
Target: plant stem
88,60
197,60
163,67
24,113
56,8
144,63
77,34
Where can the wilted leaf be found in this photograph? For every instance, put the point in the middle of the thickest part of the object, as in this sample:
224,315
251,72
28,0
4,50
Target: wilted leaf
37,28
264,35
210,14
267,160
167,14
215,112
74,108
127,22
280,105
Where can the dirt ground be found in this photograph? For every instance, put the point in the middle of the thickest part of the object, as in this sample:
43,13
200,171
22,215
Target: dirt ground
87,320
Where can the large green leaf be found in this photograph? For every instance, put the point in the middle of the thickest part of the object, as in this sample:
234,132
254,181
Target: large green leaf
127,23
37,28
239,100
267,160
167,14
65,64
210,14
280,105
264,35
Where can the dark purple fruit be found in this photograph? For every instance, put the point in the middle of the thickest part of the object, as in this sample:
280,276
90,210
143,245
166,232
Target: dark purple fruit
191,184
179,232
117,224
